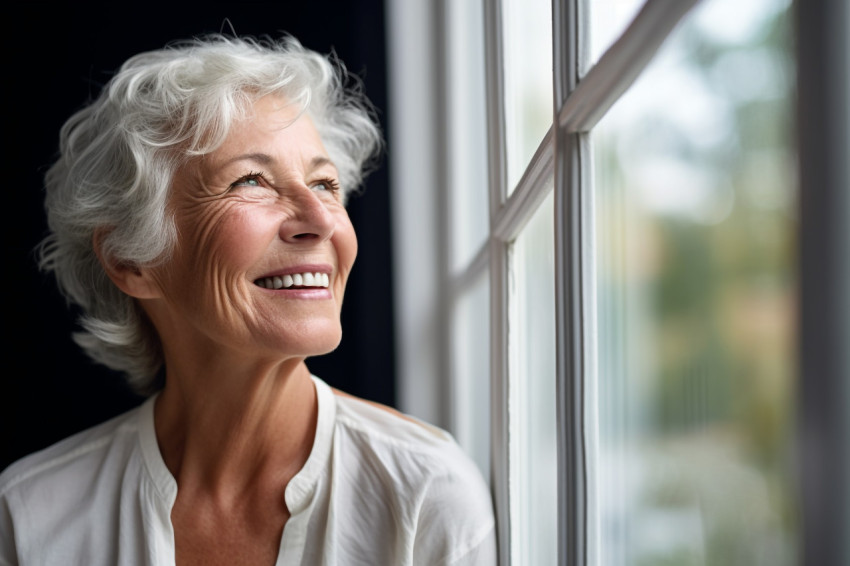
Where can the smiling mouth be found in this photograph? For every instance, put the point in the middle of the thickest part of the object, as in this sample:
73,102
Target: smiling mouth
295,281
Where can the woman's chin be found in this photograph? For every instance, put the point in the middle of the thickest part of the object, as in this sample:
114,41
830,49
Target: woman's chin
315,342
326,348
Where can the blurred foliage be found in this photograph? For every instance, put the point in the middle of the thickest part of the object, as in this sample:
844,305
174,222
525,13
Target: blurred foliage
697,313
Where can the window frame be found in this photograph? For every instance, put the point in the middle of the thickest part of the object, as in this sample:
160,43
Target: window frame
823,129
427,288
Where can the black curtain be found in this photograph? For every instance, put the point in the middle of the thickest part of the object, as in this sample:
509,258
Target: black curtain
58,58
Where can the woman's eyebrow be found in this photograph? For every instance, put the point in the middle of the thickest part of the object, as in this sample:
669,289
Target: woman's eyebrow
321,161
263,158
266,159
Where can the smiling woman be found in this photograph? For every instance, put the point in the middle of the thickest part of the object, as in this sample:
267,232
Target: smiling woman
197,216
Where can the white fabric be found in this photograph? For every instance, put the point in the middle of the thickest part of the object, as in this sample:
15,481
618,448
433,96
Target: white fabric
376,490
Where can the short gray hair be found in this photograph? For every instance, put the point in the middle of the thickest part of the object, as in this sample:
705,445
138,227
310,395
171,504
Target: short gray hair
118,156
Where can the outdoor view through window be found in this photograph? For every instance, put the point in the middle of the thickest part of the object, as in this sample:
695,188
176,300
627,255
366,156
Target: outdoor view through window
695,196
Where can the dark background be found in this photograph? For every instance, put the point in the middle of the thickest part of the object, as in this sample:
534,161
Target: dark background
55,59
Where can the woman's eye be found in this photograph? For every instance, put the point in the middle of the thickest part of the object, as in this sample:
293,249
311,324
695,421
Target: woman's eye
327,185
252,180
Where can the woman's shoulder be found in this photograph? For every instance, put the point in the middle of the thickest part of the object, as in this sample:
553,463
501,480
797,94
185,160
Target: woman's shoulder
388,430
389,424
438,491
70,457
78,494
377,432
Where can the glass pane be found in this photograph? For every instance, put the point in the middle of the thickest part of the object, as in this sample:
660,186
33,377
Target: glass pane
608,20
533,456
695,193
528,80
471,372
467,147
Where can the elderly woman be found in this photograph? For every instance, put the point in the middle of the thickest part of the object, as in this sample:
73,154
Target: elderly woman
197,217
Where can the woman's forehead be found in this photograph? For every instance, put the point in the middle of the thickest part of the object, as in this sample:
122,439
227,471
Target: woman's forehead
272,140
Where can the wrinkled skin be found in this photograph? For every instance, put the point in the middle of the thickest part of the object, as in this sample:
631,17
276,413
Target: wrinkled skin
267,200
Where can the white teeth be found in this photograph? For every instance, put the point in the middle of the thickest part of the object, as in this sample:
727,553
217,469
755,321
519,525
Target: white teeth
296,279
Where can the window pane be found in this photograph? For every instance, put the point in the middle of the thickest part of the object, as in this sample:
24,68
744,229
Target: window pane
471,372
696,227
528,80
608,20
532,441
467,132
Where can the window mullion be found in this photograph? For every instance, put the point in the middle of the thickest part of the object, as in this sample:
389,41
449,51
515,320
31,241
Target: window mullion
497,147
499,424
499,462
570,300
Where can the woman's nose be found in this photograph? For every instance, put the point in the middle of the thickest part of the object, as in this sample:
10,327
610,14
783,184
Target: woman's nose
310,219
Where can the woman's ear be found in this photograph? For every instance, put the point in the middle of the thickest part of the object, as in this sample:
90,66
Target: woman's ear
131,279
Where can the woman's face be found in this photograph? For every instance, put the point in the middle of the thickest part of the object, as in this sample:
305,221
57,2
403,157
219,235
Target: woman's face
264,244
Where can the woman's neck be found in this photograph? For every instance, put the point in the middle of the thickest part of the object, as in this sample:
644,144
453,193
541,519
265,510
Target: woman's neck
227,429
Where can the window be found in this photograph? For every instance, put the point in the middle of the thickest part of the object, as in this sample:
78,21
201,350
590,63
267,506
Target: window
599,295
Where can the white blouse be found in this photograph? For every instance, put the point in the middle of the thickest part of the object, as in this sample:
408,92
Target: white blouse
376,490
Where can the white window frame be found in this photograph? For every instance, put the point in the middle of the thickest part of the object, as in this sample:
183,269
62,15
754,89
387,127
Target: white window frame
425,286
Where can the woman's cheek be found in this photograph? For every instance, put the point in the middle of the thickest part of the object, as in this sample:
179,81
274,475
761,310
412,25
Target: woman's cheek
242,237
